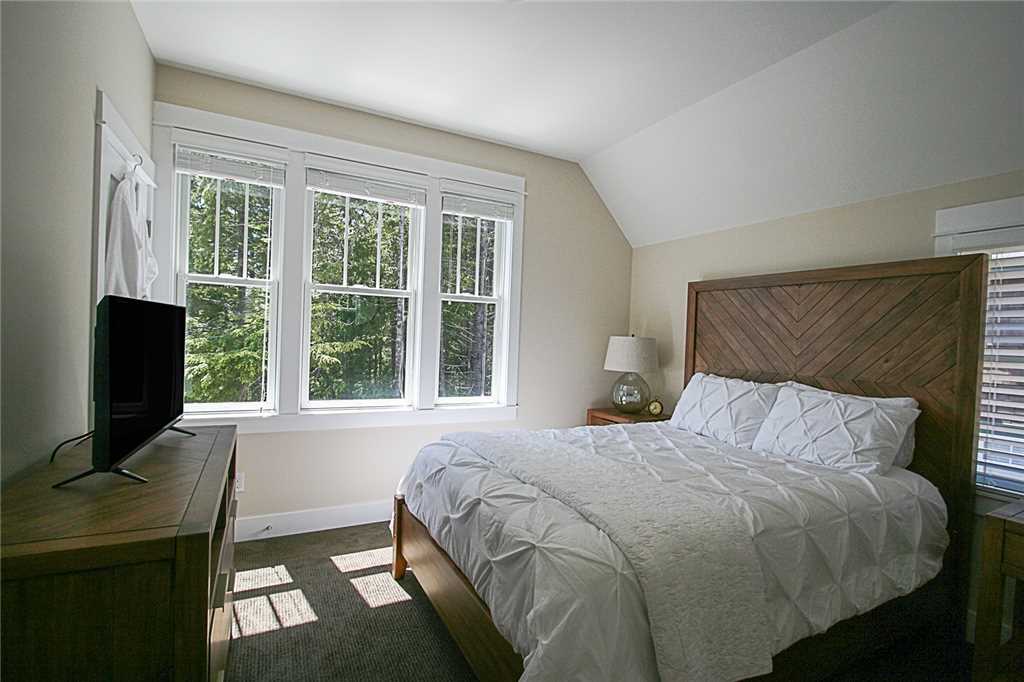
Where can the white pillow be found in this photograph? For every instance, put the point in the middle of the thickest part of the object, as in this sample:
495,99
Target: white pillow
836,430
731,410
905,455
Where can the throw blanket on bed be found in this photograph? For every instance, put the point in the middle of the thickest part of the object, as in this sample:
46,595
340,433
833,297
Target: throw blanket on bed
695,560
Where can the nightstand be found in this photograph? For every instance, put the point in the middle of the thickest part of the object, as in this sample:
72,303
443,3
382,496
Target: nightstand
1002,556
602,416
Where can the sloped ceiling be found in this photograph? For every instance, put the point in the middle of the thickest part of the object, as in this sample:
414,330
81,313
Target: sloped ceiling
687,117
565,79
914,96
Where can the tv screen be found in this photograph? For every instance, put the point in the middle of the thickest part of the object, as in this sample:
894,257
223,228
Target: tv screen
139,384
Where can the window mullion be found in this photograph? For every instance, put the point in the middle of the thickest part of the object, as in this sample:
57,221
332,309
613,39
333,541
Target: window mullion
404,234
458,255
427,304
216,232
344,265
185,219
476,273
245,234
293,273
380,219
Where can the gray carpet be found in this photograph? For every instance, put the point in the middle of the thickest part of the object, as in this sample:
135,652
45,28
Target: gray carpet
349,640
278,638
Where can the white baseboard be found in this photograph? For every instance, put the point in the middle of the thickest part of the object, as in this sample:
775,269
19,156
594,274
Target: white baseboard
309,520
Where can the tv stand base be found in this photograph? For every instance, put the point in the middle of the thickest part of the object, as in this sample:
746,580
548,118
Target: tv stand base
116,470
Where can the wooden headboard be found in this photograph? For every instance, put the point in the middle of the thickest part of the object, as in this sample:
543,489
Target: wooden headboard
911,328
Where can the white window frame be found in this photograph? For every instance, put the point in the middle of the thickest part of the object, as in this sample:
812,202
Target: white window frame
183,277
415,286
292,253
987,226
504,264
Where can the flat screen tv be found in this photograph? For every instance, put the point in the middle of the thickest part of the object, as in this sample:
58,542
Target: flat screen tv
139,385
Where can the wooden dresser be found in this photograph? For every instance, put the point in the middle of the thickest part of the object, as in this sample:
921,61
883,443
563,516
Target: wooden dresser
110,579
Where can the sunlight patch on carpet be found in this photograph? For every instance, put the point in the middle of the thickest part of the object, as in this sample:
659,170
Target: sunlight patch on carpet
266,613
260,578
379,589
357,561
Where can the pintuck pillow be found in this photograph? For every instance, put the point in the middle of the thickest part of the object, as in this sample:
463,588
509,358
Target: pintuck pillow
836,430
730,410
905,455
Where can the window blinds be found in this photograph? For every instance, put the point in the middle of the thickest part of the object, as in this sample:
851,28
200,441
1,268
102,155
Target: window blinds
1001,422
201,162
365,187
477,208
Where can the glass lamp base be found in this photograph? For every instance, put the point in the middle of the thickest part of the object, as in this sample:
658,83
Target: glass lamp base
631,393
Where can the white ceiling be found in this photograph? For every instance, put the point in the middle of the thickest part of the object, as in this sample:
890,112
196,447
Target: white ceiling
914,96
567,80
686,117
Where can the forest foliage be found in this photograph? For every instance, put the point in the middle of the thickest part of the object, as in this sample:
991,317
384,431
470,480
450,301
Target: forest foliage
358,340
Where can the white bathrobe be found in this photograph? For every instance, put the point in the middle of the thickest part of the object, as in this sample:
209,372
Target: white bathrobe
131,265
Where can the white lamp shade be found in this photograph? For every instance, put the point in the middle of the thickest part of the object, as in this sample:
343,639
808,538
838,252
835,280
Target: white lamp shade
631,354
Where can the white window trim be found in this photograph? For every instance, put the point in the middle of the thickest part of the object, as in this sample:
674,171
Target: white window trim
413,360
297,149
979,227
988,225
272,285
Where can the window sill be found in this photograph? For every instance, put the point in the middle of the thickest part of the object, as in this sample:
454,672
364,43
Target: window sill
353,418
997,494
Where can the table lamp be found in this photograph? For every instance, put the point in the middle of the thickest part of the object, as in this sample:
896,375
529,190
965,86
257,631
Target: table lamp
631,355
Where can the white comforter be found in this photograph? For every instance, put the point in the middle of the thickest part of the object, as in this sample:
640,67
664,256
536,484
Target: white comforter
830,544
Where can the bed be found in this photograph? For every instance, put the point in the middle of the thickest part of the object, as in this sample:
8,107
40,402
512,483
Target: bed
477,530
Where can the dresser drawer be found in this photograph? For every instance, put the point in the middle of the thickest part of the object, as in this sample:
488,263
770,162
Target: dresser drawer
597,421
1013,550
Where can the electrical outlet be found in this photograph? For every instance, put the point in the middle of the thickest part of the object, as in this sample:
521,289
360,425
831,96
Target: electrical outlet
240,482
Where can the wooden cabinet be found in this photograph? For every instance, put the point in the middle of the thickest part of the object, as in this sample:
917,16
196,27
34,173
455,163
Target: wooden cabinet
1002,557
602,416
110,579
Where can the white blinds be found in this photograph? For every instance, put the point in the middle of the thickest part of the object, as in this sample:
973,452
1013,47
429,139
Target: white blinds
365,187
477,208
201,162
1001,424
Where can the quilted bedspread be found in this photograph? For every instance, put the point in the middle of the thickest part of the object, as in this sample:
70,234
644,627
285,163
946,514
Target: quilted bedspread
830,544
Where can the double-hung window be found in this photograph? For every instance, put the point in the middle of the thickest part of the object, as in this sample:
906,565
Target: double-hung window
362,235
229,212
474,242
331,284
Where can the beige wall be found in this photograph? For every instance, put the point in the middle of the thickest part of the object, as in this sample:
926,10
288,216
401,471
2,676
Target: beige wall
55,56
892,228
575,294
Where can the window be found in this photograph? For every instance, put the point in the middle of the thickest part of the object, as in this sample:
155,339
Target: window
350,286
1001,421
229,209
473,237
996,228
360,289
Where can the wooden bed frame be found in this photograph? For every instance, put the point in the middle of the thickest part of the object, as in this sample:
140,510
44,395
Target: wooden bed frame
910,328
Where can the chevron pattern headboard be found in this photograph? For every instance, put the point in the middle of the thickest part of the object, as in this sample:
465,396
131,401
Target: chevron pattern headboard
911,328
